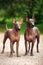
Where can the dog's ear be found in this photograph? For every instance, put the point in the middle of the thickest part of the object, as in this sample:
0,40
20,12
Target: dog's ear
21,20
27,19
14,21
33,17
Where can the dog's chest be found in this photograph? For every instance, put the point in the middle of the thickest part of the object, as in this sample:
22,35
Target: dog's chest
29,37
15,36
29,34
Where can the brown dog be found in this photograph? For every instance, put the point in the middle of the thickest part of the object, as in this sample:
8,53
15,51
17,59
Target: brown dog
14,36
31,34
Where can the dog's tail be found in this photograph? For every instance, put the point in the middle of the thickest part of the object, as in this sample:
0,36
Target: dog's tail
6,26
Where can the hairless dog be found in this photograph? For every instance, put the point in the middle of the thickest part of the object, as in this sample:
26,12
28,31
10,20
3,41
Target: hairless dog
30,35
14,36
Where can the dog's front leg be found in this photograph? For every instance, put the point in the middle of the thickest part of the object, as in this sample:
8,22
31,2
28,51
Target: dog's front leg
26,47
3,45
17,46
32,49
37,44
29,46
11,47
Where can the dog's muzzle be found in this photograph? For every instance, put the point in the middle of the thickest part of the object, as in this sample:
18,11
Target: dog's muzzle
18,28
32,25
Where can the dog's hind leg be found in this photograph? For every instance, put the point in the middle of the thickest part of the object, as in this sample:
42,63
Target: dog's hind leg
32,48
26,47
17,47
37,44
5,38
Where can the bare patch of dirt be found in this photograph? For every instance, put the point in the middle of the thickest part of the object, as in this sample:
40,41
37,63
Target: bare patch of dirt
37,59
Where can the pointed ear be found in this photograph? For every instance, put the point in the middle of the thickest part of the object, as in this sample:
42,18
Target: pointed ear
21,20
33,17
27,19
14,21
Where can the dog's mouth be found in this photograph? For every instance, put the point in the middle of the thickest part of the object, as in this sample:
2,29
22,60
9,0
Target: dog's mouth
32,26
18,28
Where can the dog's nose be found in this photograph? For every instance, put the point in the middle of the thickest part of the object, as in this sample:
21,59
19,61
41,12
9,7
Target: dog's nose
18,28
32,25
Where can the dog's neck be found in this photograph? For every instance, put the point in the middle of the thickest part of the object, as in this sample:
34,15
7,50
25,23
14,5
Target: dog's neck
29,27
16,30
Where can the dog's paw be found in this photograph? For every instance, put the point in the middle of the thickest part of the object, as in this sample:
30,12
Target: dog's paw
25,54
18,56
2,52
11,55
37,51
31,55
28,51
13,51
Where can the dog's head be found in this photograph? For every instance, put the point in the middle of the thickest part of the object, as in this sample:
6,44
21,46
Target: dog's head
18,24
30,21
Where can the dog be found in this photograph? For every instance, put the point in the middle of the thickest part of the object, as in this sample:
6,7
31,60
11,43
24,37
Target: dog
30,35
14,36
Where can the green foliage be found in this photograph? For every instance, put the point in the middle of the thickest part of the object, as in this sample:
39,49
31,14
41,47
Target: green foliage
13,8
40,26
10,9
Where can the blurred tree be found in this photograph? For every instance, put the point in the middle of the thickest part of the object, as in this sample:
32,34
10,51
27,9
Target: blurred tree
21,8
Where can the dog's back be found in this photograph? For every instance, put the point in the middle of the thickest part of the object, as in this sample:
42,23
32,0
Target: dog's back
36,31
